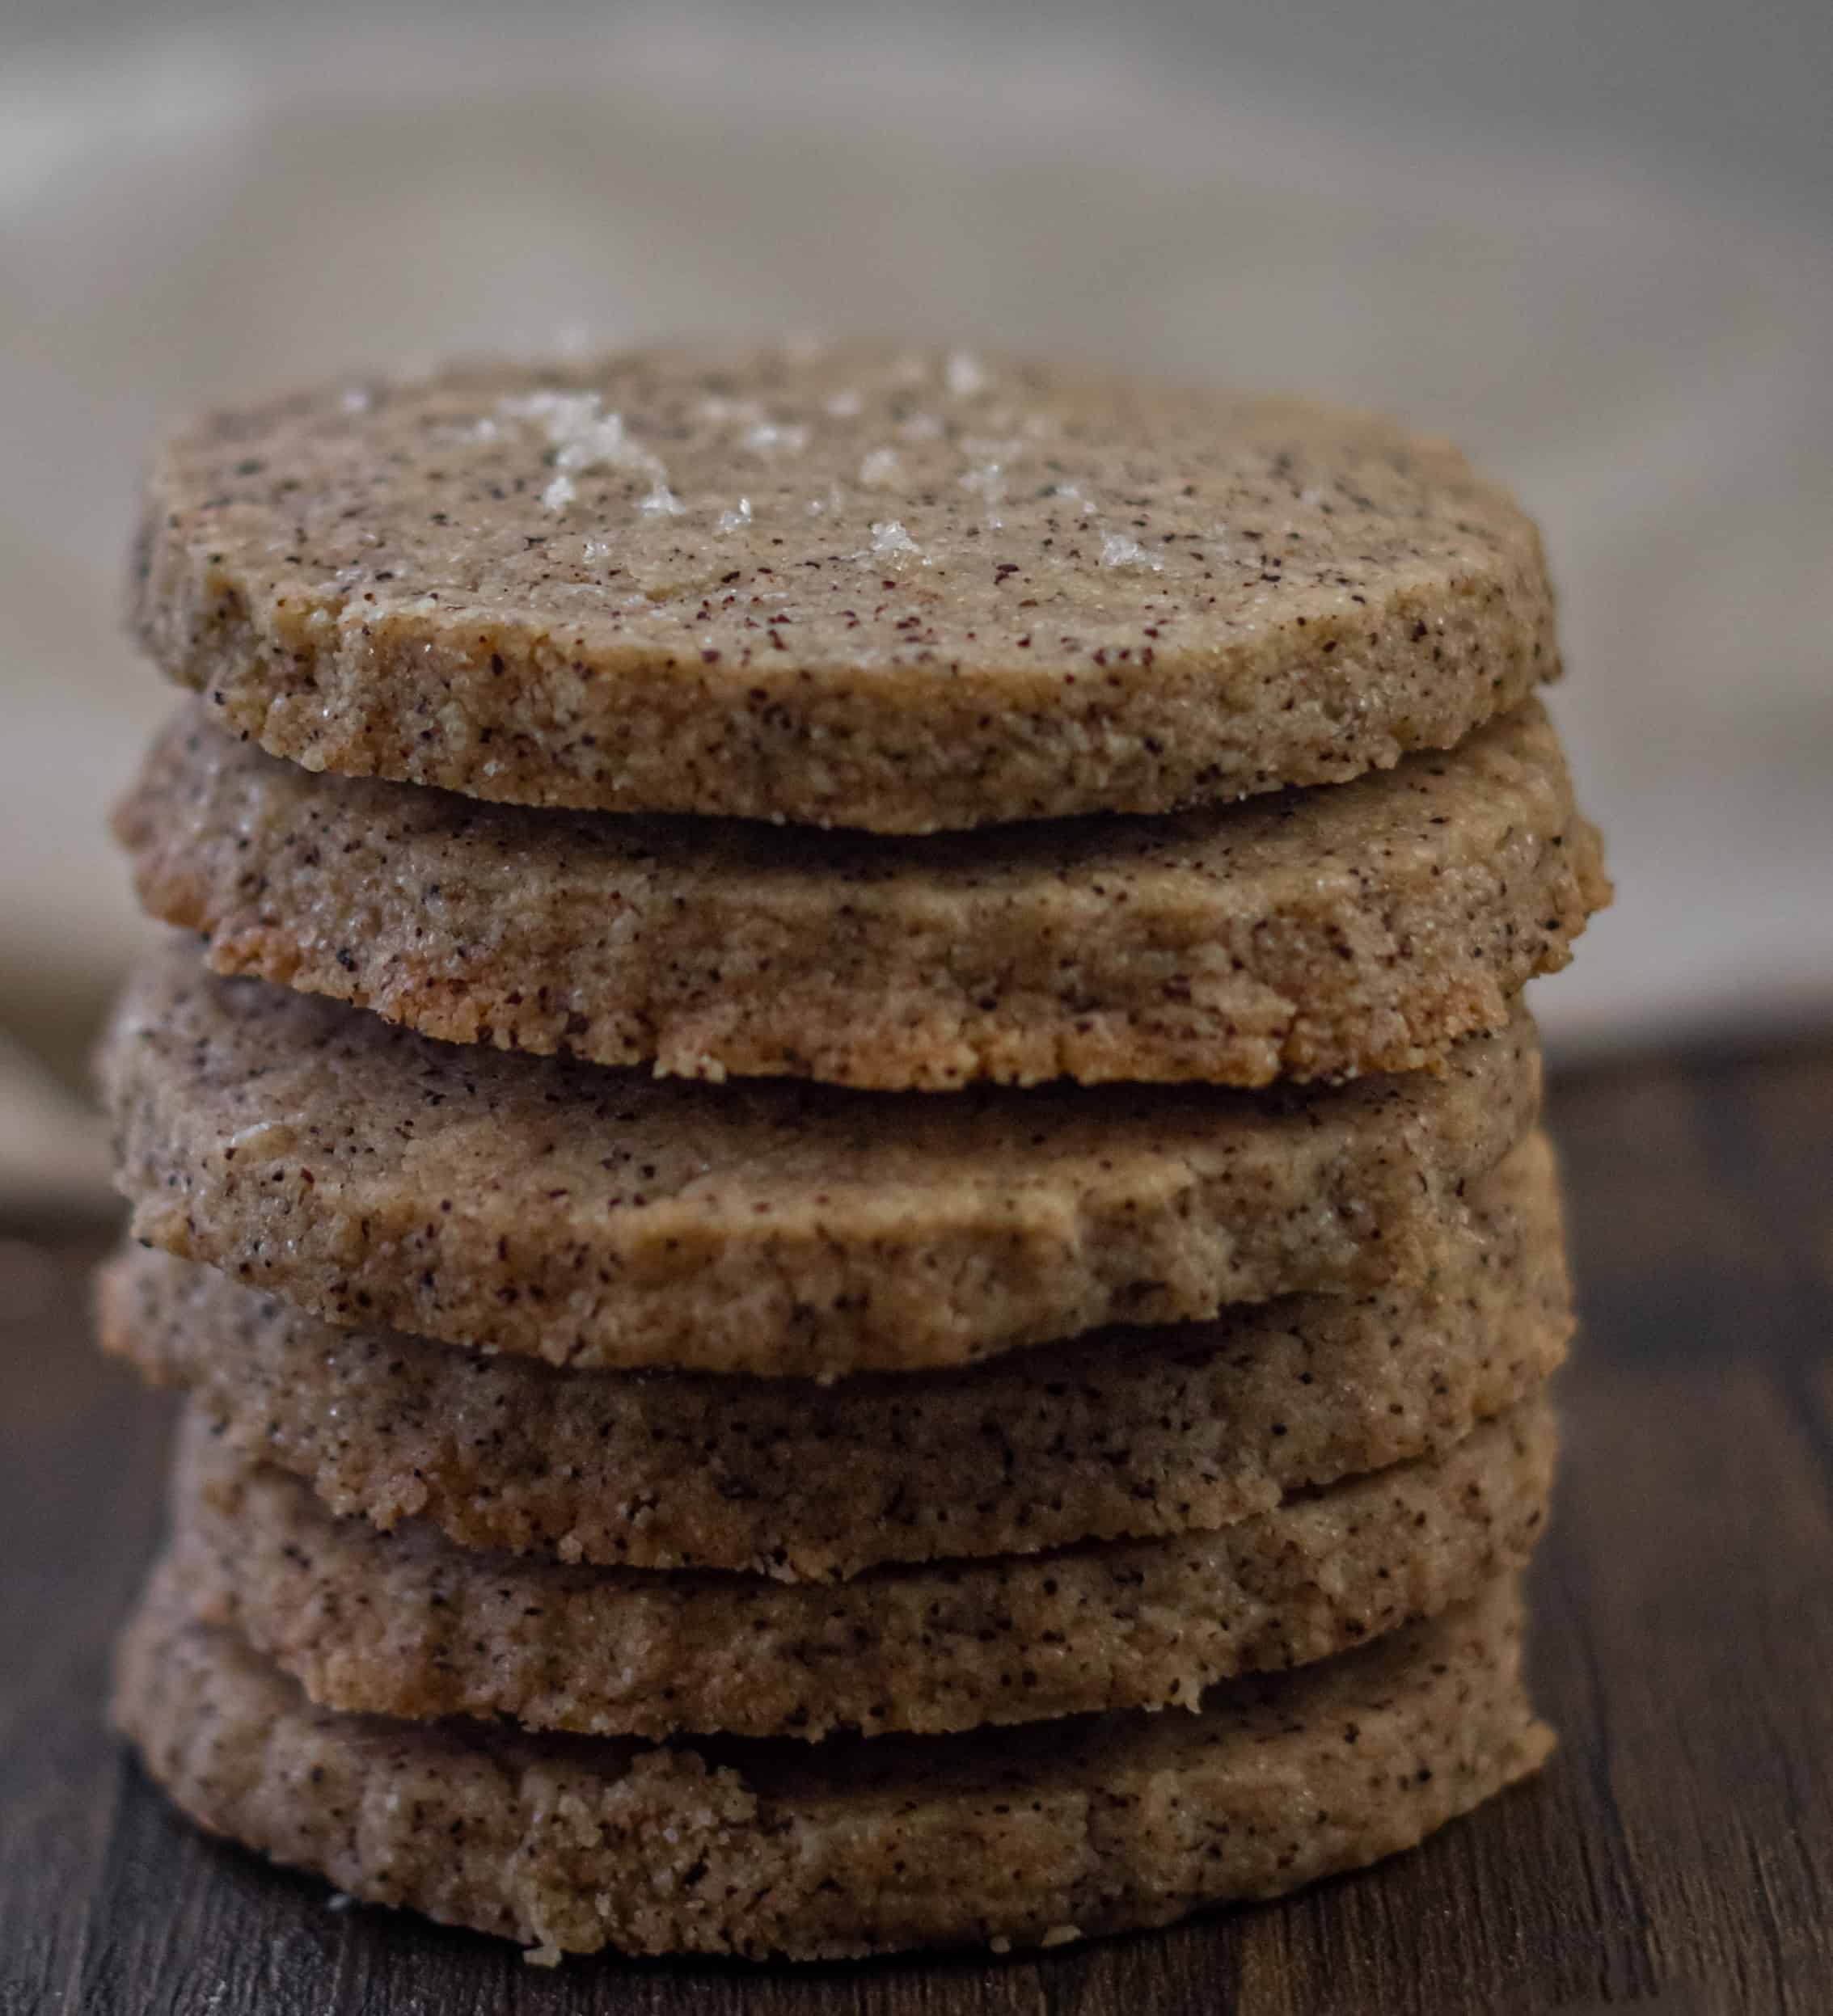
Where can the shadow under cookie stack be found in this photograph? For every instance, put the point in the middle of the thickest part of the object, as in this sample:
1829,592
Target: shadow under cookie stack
838,1145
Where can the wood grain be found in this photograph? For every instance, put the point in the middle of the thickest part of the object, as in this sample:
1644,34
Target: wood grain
1677,1859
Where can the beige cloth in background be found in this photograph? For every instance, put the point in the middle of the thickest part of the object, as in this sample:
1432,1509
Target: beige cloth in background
195,216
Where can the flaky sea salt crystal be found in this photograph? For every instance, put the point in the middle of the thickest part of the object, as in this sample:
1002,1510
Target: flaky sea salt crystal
586,436
843,405
597,549
357,398
889,537
723,411
661,502
598,444
731,520
963,375
559,493
882,469
988,481
1118,550
561,414
768,436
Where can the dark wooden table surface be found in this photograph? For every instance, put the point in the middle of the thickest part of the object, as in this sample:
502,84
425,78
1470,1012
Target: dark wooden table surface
1677,1856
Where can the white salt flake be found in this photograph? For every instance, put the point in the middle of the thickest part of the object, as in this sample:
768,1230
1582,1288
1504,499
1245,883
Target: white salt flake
722,412
988,481
844,406
661,503
767,436
889,537
559,493
597,549
963,375
586,436
1118,550
357,398
731,520
882,469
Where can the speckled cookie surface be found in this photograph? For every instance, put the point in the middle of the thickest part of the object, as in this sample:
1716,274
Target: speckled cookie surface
852,1846
593,1217
406,1624
1122,1434
856,588
1364,927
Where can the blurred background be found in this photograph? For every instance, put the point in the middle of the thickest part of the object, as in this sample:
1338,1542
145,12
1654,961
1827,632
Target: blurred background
1595,244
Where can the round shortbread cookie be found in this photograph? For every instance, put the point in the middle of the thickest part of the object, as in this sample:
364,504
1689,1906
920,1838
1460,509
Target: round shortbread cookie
1031,1835
594,1216
854,587
1366,926
1122,1434
405,1624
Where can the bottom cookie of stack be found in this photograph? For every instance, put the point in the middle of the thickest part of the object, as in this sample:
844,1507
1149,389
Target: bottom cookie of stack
757,1847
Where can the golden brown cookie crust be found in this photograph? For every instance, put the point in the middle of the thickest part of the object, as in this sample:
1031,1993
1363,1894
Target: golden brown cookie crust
858,588
1119,1435
593,1217
405,1624
1367,927
852,1846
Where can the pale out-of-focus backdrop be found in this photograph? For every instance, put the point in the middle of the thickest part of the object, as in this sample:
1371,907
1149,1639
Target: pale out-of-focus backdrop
1595,244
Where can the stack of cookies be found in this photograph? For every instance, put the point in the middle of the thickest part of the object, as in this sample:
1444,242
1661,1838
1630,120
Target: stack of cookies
838,1144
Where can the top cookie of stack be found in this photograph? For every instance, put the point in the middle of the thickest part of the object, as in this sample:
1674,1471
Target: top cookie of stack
889,593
